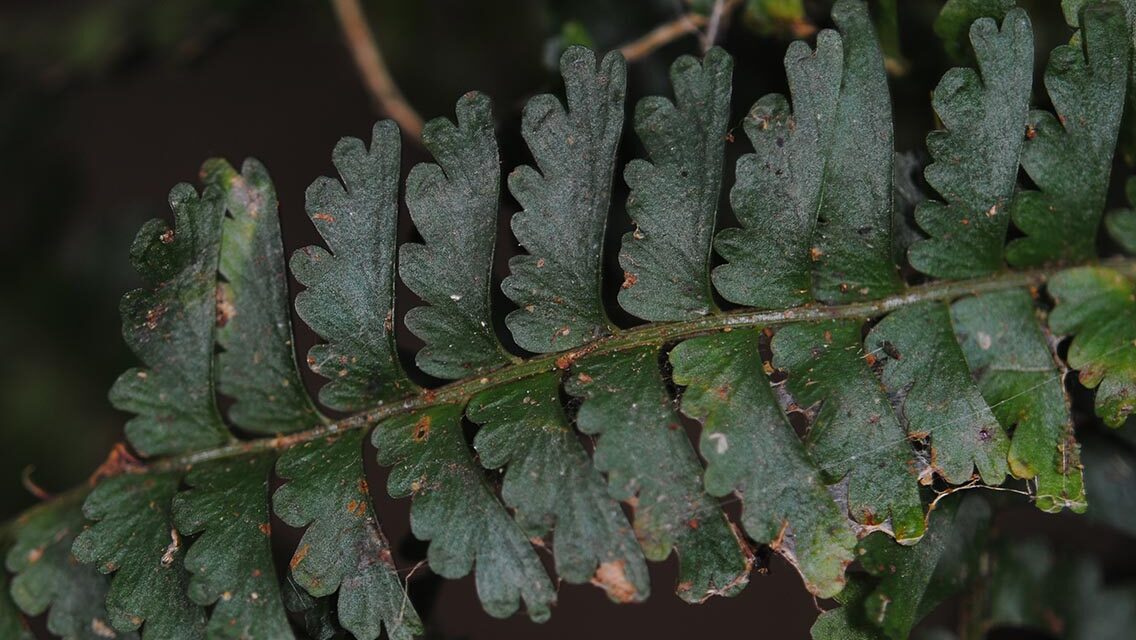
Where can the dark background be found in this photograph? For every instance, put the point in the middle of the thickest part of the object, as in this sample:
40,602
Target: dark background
106,105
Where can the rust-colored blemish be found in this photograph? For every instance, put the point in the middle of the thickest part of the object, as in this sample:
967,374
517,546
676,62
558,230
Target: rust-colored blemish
225,309
629,280
299,556
167,237
584,378
611,576
422,429
265,528
323,217
154,315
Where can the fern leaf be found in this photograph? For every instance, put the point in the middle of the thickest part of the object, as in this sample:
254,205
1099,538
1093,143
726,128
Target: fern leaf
11,622
349,299
1011,360
914,580
1098,306
133,537
1031,586
557,285
46,576
956,18
258,366
777,193
926,370
456,509
1110,478
828,373
454,206
976,157
1069,156
169,326
815,201
231,559
1121,223
316,615
651,465
342,547
849,620
550,480
674,199
751,449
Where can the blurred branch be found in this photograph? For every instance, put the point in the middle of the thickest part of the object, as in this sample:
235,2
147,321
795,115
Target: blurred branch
662,35
685,24
369,61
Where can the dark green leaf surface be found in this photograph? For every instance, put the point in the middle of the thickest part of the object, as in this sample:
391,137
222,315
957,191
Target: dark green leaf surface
134,538
258,365
815,201
1110,478
854,434
848,621
1098,306
674,197
955,18
343,547
1121,223
1031,587
778,188
651,465
226,507
926,372
1069,156
751,449
48,578
11,621
169,324
457,510
916,579
316,615
454,206
349,299
1127,142
549,480
853,227
557,285
1011,360
975,166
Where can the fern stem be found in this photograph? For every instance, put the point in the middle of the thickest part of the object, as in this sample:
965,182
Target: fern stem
461,391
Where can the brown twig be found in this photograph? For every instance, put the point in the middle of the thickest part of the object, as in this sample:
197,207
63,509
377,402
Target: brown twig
662,35
369,60
685,24
31,486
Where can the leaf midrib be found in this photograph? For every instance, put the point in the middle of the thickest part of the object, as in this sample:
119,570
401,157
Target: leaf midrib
652,334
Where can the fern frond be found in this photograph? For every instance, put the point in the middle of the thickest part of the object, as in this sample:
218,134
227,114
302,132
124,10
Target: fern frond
901,390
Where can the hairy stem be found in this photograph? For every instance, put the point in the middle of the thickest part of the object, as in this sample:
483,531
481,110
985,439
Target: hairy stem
461,391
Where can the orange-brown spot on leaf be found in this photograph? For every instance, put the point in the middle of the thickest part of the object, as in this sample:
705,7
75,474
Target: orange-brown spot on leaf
629,280
422,429
323,217
299,556
225,309
611,576
265,528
